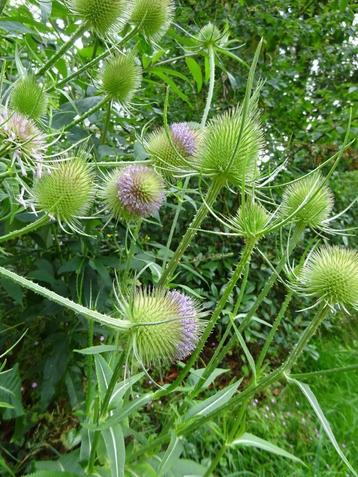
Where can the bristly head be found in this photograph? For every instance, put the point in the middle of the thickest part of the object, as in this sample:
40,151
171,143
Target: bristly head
251,220
102,16
28,98
121,78
331,275
66,191
174,155
312,200
167,326
27,144
229,149
153,16
211,36
133,192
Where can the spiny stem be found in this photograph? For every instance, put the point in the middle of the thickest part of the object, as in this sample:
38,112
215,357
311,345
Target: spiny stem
65,302
130,256
211,196
211,86
25,230
86,114
66,46
107,122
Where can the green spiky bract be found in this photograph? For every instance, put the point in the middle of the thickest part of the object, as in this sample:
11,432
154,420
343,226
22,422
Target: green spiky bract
66,191
223,154
154,16
331,274
102,16
28,98
121,78
251,220
211,36
316,210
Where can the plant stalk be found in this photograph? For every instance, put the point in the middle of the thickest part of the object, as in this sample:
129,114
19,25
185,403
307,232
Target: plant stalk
211,86
25,230
86,114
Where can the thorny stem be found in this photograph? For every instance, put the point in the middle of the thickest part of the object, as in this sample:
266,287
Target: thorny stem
213,192
67,45
130,255
25,230
211,86
107,122
86,114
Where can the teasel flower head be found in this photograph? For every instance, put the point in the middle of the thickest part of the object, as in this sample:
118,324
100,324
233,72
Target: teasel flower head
28,98
211,36
251,220
312,200
174,154
66,190
153,16
229,149
121,78
133,192
166,325
102,16
331,276
27,144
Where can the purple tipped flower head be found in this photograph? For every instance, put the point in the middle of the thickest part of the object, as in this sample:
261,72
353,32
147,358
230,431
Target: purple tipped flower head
185,138
166,328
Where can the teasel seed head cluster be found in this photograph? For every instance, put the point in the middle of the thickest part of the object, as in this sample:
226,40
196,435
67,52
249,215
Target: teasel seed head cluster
66,190
153,17
330,275
174,154
133,192
310,198
102,16
28,98
167,325
121,77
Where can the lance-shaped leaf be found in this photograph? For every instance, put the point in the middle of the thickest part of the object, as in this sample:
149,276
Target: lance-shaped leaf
116,451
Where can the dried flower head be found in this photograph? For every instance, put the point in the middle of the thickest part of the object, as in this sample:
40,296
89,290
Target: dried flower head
252,218
229,150
173,155
331,275
121,77
133,192
28,98
168,325
101,16
316,197
154,16
27,144
66,190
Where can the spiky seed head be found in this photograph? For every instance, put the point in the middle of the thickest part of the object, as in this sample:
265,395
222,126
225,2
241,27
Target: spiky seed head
26,139
121,77
224,154
66,190
28,98
134,192
331,275
211,36
174,155
317,198
251,220
102,16
154,16
170,326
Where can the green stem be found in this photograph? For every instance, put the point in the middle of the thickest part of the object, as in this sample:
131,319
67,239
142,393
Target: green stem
322,372
211,86
130,256
65,302
67,45
211,196
216,461
86,114
274,329
107,122
89,363
25,230
215,316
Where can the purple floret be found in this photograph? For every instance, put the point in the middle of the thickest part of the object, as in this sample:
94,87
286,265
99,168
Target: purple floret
190,330
136,191
185,136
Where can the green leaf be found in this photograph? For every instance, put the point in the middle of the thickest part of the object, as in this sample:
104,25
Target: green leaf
206,407
116,452
172,85
93,350
249,440
195,70
171,455
306,390
103,373
196,374
52,473
10,393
